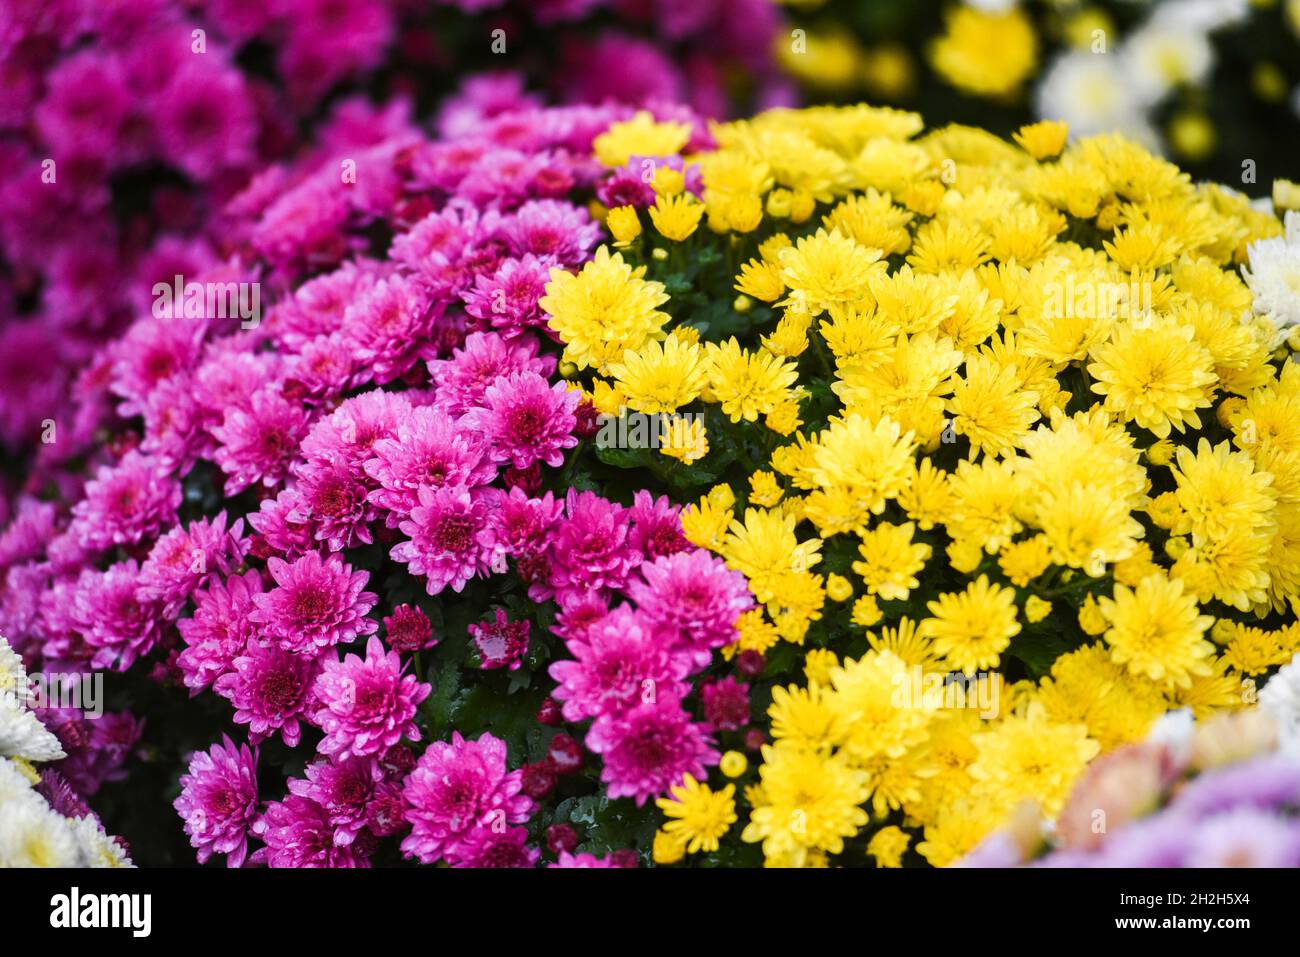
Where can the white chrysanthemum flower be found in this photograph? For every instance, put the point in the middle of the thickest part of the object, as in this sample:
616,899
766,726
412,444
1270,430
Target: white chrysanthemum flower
13,783
97,848
21,734
1273,275
1280,697
31,835
1165,53
1092,95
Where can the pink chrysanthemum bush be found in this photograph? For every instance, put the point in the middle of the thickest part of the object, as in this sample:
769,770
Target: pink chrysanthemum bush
356,567
127,126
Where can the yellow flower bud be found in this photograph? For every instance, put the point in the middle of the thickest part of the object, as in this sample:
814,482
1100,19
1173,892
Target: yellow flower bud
733,764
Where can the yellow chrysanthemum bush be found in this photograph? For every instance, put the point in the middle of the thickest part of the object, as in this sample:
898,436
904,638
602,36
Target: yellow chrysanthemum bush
1010,463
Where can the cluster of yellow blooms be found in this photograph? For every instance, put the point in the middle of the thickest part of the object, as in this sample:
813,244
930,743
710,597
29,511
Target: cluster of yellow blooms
1053,455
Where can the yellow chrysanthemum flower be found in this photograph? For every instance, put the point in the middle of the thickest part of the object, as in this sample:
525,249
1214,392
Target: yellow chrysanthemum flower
891,560
971,628
603,311
661,376
1154,630
698,817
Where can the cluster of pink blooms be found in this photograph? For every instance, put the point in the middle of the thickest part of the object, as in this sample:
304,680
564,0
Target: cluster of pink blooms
396,408
138,120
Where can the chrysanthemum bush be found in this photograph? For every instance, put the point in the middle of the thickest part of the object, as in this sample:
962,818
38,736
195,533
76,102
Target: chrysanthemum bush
361,537
1000,435
403,573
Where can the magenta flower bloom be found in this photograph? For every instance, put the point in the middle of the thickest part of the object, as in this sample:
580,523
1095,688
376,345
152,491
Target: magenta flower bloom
656,526
390,326
488,847
327,366
456,787
185,558
526,420
218,800
621,661
126,503
316,307
280,533
463,379
344,790
316,603
694,596
258,443
112,616
350,433
408,629
726,703
430,450
589,549
219,630
453,538
500,643
507,298
367,706
557,232
332,502
298,832
271,690
650,748
205,118
151,351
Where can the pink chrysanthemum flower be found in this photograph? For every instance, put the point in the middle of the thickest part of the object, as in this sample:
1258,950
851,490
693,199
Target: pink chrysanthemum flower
205,118
649,749
488,847
344,790
656,526
298,833
332,502
219,630
218,800
553,230
579,613
501,643
621,661
350,432
526,420
327,366
184,558
367,706
271,690
507,298
694,596
126,503
229,380
113,618
173,424
589,549
316,307
463,379
457,787
258,443
726,703
279,533
408,629
428,450
315,603
28,532
390,327
151,351
453,537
